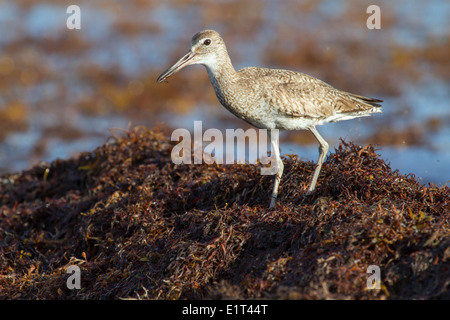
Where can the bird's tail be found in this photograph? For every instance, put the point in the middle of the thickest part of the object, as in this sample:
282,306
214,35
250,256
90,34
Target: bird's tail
370,101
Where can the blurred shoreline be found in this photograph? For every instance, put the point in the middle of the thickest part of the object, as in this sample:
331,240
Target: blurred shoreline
61,90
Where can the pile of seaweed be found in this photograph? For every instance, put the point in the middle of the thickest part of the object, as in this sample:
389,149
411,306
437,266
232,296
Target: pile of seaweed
139,226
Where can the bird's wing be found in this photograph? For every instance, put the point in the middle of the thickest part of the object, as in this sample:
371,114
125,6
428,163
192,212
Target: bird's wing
301,99
296,94
316,99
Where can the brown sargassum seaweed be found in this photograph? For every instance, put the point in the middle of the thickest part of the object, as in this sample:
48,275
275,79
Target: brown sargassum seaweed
139,226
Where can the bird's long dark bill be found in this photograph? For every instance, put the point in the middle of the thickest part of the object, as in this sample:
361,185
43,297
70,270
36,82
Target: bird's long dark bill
183,62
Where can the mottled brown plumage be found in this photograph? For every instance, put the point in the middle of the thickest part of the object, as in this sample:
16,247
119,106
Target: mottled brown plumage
273,98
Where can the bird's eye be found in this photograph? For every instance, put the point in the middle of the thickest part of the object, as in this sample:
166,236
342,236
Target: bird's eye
207,42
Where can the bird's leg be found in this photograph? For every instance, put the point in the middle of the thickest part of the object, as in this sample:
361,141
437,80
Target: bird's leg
323,149
279,166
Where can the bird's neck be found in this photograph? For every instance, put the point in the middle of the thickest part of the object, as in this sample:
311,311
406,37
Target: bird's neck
222,75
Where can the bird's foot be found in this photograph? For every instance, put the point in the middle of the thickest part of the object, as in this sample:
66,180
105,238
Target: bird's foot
273,203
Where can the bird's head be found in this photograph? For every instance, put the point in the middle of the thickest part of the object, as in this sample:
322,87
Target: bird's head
207,48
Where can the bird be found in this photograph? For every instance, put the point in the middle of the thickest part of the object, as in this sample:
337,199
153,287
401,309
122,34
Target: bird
273,98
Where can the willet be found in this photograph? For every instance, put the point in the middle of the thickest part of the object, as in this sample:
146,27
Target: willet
273,98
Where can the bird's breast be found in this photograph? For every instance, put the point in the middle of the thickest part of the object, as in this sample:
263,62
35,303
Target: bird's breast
242,100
